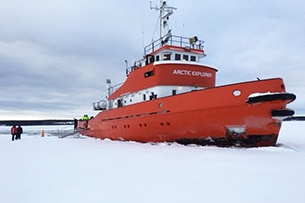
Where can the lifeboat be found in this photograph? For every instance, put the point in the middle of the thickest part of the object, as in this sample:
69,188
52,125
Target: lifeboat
170,96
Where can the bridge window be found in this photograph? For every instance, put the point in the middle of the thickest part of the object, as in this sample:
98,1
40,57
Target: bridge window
185,57
177,57
157,58
149,59
193,58
166,57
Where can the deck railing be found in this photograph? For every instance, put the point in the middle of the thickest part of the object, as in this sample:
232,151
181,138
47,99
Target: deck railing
173,40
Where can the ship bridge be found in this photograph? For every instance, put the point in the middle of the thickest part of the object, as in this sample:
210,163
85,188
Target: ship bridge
171,48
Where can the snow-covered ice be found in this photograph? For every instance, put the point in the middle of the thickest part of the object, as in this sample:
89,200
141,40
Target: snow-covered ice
46,169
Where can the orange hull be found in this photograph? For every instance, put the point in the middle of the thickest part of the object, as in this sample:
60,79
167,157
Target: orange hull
219,115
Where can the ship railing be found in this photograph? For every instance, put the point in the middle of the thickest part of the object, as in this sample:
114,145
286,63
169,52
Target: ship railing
137,64
173,40
113,88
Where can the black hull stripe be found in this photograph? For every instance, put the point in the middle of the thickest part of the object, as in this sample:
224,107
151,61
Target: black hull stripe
271,97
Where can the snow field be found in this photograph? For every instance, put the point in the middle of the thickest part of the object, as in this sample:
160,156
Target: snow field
79,169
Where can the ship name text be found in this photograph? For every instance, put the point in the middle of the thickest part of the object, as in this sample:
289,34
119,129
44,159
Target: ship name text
192,73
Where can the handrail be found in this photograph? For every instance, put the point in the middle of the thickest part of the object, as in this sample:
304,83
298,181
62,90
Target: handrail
114,88
174,40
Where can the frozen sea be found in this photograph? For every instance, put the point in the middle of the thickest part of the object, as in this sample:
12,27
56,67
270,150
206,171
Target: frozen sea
78,169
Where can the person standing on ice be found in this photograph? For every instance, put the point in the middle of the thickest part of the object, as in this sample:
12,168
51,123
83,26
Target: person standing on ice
14,132
19,132
75,124
86,118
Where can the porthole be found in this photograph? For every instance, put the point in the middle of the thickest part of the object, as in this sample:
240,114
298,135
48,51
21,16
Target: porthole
236,93
160,105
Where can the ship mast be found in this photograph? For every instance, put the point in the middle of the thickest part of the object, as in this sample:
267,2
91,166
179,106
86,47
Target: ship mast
165,12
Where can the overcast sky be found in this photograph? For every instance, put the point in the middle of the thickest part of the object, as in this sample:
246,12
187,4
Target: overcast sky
55,55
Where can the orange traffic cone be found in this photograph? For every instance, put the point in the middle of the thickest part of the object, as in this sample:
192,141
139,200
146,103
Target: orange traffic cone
42,133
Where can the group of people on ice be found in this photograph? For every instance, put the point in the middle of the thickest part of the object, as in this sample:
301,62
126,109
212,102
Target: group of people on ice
16,132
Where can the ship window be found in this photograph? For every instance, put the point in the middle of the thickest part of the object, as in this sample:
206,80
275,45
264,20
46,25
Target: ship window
120,104
148,74
193,58
149,59
185,57
152,96
236,93
166,57
174,92
144,97
177,57
157,58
